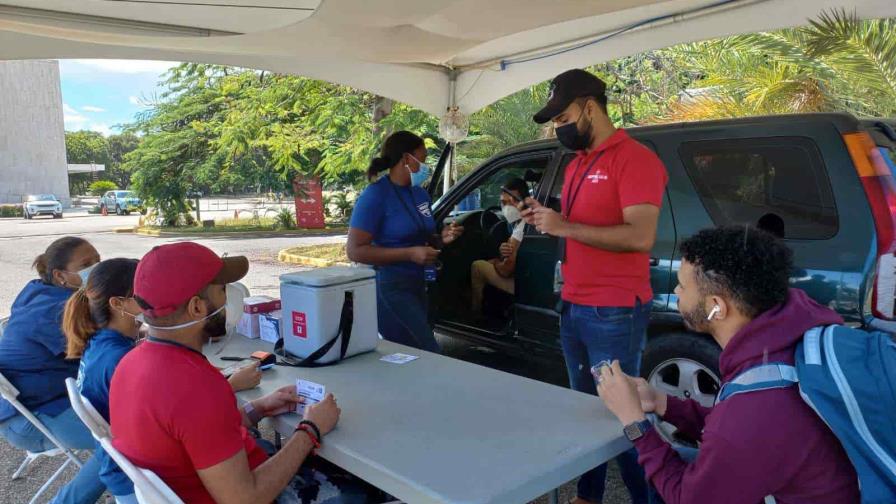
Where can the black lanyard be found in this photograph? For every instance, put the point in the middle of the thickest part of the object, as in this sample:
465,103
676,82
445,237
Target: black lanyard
578,188
561,243
416,216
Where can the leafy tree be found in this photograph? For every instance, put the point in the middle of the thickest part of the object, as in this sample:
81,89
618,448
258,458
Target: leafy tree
176,155
118,147
84,147
837,63
101,187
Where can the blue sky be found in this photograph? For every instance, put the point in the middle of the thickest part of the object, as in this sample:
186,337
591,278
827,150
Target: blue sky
98,95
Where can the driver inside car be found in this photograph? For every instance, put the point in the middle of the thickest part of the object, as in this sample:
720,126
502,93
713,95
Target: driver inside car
499,272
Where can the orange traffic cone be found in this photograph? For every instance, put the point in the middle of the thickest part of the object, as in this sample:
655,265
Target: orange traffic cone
104,211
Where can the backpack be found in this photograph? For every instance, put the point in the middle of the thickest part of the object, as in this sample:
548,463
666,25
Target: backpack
848,376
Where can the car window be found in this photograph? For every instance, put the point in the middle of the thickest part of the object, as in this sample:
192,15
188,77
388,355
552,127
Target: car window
557,185
779,184
123,194
41,197
487,193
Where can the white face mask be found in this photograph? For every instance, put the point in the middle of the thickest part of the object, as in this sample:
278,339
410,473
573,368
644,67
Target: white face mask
142,319
511,213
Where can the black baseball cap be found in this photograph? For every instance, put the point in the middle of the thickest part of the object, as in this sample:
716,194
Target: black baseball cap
566,88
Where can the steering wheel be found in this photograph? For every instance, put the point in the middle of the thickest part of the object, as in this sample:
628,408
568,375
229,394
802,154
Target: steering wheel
488,218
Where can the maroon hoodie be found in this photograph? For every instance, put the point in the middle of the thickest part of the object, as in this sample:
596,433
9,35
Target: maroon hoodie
756,444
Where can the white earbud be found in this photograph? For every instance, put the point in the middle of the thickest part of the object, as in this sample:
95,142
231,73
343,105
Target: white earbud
713,313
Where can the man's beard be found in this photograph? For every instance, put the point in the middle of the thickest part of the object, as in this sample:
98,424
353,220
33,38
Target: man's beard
216,326
695,319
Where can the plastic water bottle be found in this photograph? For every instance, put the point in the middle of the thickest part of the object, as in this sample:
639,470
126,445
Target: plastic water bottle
558,278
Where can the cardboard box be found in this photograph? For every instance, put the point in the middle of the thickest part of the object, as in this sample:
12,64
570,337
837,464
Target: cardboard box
260,304
248,325
269,326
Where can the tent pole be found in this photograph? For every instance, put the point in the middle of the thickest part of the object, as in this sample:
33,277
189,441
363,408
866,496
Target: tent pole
449,170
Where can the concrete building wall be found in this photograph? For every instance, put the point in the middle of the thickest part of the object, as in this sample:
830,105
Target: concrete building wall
32,134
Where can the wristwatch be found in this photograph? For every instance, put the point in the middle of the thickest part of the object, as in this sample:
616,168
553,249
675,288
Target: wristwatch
636,430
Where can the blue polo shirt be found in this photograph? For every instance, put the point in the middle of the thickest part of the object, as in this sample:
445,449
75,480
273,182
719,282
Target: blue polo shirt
32,351
104,350
397,217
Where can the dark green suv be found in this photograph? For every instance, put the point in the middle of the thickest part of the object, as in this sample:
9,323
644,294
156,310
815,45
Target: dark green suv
822,181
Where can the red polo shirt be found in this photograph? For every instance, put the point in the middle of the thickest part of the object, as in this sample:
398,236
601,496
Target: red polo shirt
620,173
174,413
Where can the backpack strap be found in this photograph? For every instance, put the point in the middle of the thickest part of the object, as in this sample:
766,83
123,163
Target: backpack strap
762,377
812,346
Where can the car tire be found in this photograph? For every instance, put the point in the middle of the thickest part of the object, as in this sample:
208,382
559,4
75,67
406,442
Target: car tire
118,210
57,216
25,214
683,364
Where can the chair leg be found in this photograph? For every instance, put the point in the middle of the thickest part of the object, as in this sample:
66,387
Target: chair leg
50,481
29,458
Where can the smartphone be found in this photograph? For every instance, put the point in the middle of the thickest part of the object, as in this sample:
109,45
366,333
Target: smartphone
507,192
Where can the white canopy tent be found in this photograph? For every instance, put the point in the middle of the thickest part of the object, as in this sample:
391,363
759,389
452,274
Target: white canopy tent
427,53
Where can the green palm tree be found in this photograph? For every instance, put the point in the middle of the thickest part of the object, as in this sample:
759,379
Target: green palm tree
837,63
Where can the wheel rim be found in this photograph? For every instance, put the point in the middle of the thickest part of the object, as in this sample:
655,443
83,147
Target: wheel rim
687,379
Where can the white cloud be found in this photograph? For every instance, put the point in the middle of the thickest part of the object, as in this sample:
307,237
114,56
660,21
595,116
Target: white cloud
127,66
91,108
101,128
76,121
73,119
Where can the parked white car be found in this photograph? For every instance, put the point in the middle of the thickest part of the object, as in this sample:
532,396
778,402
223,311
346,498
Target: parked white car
42,204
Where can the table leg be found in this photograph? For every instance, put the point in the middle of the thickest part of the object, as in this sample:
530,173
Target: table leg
554,496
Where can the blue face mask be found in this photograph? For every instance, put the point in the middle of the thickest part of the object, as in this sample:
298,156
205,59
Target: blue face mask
84,274
421,175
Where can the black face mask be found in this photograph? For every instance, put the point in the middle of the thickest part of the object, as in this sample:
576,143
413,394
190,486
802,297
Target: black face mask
573,139
215,326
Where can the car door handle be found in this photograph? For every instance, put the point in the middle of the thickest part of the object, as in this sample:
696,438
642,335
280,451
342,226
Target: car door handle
654,261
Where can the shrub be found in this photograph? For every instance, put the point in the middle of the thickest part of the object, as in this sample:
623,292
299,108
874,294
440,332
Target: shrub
11,211
100,187
285,219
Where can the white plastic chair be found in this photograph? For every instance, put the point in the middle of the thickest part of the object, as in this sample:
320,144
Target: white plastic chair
11,394
149,488
236,292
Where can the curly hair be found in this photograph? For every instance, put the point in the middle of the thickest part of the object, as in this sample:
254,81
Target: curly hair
749,266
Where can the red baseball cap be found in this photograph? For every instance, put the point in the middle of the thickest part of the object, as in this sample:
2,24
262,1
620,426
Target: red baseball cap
169,275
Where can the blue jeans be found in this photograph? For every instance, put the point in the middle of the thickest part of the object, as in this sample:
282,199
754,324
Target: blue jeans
86,487
588,335
401,309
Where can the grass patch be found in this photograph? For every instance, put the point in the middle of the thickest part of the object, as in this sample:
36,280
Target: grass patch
262,224
334,252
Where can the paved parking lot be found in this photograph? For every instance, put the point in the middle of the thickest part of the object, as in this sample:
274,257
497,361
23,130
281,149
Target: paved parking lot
21,241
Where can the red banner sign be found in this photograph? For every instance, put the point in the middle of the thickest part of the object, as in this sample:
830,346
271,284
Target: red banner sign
309,202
